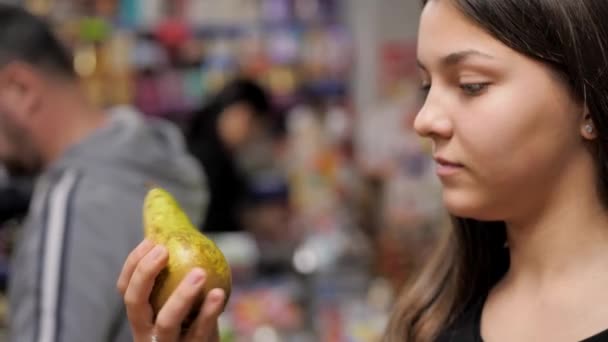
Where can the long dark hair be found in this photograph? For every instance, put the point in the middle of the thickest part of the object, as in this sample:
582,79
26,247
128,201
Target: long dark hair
571,37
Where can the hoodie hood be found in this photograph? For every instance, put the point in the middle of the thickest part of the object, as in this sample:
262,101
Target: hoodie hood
137,151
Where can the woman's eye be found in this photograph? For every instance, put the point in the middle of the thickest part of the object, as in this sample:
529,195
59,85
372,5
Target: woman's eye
473,89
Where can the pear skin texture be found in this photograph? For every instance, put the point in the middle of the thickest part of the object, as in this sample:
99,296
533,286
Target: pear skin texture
165,223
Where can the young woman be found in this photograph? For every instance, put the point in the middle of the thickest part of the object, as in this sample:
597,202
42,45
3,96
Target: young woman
517,108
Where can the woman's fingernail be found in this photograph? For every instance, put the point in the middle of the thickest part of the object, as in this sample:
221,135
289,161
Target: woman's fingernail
217,296
157,252
196,276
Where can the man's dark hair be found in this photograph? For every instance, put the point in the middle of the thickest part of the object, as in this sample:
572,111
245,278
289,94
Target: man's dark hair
27,38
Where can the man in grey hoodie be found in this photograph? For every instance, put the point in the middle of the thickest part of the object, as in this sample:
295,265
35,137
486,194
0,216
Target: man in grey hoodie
93,167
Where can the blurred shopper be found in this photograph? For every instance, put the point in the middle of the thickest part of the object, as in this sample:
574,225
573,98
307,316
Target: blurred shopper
516,107
86,209
223,127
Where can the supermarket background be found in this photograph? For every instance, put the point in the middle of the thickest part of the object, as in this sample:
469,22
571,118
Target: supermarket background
347,204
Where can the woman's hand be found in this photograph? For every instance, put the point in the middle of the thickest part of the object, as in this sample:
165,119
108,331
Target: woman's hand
135,283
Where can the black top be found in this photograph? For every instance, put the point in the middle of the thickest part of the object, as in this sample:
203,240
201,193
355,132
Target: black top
467,328
228,188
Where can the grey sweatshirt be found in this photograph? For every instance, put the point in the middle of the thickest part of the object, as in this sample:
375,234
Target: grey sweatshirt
84,219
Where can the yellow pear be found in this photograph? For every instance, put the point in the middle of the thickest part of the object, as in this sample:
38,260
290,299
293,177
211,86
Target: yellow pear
165,223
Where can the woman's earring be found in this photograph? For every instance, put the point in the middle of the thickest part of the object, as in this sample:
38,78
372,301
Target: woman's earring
589,131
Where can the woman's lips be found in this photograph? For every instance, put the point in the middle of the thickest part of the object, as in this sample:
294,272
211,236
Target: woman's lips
447,167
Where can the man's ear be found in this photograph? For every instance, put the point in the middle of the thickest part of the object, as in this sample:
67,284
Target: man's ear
21,87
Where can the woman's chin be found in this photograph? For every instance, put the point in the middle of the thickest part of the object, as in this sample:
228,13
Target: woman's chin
469,205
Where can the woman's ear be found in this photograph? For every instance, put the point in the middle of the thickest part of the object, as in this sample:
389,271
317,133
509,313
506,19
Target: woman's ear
587,129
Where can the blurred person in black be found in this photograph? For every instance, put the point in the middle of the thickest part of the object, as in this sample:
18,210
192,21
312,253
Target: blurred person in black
92,167
217,132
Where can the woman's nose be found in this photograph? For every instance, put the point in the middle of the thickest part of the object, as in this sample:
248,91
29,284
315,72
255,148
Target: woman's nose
433,120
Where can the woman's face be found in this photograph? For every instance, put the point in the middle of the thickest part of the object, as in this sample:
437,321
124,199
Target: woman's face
235,125
504,127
